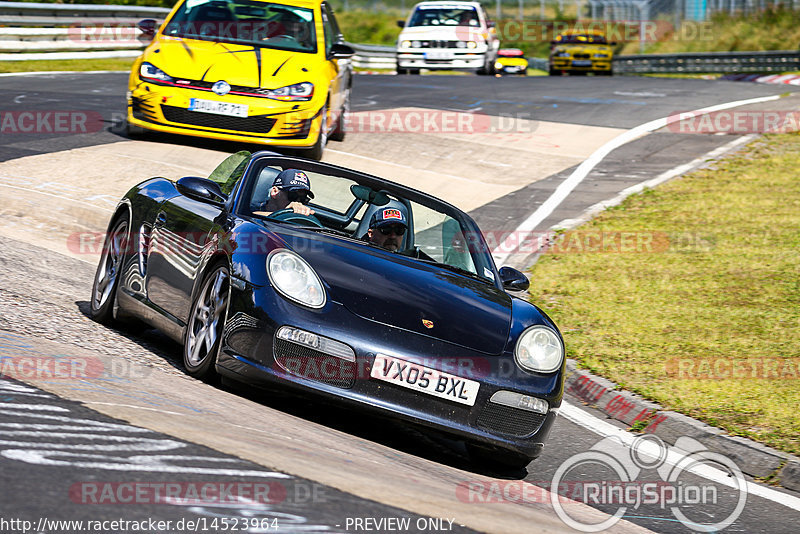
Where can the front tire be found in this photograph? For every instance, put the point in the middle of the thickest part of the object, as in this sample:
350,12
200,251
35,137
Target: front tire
106,278
203,336
340,131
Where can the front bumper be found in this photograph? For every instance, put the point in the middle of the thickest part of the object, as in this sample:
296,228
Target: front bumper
580,65
252,354
419,59
269,122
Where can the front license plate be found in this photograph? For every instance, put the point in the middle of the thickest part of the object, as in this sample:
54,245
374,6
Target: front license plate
425,379
581,63
439,54
218,108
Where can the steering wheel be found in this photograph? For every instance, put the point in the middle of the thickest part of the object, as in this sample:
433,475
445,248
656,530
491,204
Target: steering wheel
288,215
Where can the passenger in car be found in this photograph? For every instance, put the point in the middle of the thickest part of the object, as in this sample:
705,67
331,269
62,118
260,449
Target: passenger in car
290,190
387,227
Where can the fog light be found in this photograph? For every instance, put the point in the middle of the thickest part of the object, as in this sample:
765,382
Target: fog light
316,342
518,400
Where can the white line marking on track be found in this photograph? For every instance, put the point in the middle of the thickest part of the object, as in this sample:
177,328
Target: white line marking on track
60,197
571,182
594,209
35,407
602,428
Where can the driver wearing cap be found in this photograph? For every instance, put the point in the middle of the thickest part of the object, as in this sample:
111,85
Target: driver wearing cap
387,227
290,190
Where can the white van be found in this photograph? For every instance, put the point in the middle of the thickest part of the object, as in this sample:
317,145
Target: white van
447,35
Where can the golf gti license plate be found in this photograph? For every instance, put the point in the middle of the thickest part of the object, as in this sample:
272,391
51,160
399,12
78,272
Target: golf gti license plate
425,379
218,108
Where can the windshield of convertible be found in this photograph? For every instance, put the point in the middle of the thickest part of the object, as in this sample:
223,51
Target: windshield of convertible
248,22
435,232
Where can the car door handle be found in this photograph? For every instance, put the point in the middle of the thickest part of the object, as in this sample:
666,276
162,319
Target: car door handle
161,218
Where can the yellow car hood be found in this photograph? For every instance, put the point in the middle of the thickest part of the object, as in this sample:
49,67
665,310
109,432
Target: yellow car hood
236,64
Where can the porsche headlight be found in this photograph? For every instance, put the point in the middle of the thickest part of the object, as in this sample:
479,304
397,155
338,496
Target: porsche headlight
405,44
562,54
600,55
295,279
150,72
539,349
472,44
290,93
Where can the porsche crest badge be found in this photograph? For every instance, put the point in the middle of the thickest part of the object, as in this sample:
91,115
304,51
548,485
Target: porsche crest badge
427,323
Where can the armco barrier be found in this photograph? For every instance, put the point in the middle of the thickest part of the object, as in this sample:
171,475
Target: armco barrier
35,14
711,62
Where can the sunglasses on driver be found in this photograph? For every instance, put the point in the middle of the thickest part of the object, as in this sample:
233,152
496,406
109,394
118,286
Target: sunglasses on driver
298,196
395,229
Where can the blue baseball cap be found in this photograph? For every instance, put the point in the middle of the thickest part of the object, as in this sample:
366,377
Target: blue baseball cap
386,216
293,180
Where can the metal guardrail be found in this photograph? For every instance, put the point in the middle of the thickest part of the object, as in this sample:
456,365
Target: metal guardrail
38,14
711,62
374,56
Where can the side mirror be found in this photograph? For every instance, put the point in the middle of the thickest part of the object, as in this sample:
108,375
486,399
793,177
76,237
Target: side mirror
513,279
491,24
613,43
147,26
201,189
341,51
401,24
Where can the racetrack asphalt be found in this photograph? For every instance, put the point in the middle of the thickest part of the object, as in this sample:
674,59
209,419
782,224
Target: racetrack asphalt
619,103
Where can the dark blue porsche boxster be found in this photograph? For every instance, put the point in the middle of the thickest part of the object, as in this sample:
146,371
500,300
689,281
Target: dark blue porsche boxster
428,333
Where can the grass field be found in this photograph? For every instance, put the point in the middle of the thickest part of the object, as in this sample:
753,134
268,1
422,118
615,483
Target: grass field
705,319
66,64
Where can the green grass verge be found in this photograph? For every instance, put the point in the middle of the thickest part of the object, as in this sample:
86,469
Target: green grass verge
770,29
725,289
67,64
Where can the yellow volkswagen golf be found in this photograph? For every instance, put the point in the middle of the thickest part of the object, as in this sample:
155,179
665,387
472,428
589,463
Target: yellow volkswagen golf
268,72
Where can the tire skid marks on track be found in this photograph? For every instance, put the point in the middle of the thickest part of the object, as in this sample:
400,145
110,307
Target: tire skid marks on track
47,434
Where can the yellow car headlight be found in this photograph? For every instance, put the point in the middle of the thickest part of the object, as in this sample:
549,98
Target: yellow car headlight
151,73
291,93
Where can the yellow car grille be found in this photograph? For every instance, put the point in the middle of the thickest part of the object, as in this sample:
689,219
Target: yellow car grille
258,124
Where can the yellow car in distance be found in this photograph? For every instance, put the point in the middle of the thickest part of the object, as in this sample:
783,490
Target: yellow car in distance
579,52
255,71
511,61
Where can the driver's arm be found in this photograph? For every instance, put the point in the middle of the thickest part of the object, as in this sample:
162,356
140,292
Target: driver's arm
294,206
